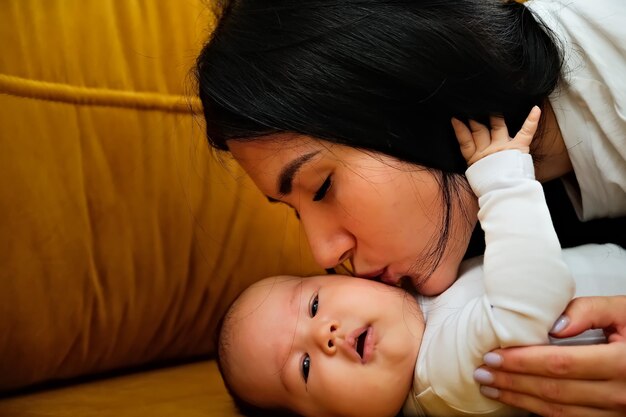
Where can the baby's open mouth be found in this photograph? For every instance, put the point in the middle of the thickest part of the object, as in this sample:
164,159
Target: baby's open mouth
360,343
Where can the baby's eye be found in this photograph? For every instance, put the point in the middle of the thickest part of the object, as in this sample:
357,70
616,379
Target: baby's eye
321,192
314,305
306,365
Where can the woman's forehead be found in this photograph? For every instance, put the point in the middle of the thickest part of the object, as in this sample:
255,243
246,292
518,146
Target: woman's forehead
282,143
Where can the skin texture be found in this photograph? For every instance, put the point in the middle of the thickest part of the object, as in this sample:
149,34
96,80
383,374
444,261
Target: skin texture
280,321
380,213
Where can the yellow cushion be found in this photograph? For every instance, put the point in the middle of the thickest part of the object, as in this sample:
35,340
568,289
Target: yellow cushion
123,237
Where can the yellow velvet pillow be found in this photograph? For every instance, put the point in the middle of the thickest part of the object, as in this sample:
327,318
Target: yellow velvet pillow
123,237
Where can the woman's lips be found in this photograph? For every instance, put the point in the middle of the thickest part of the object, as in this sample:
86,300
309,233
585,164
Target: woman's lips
372,274
408,282
389,278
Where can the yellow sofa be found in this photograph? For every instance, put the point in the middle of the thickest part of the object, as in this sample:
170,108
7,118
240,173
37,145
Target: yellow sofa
123,238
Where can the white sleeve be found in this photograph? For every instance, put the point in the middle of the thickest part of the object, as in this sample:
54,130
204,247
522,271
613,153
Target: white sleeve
527,283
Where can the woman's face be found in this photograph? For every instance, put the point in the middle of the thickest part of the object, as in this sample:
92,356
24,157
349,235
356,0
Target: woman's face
383,215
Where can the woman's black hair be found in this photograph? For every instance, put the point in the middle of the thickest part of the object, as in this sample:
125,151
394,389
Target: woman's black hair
382,75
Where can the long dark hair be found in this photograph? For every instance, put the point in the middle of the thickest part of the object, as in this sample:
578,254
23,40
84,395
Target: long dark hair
384,75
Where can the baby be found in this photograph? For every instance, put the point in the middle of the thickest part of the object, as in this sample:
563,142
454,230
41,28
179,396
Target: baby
344,346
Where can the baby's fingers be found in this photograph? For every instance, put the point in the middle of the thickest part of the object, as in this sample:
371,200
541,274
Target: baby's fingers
529,128
481,135
464,136
499,131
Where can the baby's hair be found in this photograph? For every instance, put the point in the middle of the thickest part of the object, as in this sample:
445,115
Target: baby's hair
224,340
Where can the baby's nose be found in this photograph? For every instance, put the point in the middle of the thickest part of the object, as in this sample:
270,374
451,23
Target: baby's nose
326,336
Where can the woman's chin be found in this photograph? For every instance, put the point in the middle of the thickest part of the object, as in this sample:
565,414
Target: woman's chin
437,283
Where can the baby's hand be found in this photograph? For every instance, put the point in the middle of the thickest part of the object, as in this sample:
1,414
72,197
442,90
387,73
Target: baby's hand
477,141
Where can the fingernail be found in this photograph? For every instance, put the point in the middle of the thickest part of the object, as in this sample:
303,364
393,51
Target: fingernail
490,392
483,376
560,324
492,360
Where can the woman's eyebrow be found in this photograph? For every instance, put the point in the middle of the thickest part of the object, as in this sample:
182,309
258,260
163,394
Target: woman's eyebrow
285,178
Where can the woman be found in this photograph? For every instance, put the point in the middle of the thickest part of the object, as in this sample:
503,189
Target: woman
342,110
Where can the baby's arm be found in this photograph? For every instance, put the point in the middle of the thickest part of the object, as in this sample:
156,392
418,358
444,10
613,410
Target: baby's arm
527,283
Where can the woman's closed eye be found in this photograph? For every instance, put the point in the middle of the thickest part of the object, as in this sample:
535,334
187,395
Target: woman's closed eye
321,192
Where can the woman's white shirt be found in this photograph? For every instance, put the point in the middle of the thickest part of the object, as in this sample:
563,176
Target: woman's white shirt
590,104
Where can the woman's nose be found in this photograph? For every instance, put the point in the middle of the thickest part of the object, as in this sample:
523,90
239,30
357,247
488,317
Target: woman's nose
325,336
330,243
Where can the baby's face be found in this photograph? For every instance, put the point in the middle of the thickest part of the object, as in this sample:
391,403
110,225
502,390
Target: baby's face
325,346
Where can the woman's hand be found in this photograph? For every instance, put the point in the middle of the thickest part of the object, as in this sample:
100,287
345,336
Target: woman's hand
583,381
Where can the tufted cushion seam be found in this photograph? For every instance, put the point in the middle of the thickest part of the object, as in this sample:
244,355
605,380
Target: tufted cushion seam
89,96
